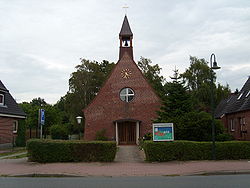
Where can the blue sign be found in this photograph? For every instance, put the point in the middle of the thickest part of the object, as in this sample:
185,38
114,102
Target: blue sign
42,116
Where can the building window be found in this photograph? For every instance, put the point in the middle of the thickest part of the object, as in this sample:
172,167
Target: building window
15,126
1,99
232,128
248,93
244,121
243,128
240,96
127,94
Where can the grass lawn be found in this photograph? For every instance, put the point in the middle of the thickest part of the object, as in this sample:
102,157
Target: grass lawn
12,151
17,156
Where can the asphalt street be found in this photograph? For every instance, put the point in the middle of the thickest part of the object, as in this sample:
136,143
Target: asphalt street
221,181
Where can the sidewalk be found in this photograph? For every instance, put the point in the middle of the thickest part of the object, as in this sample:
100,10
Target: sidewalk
16,167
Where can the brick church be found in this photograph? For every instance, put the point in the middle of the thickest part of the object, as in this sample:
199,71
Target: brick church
126,104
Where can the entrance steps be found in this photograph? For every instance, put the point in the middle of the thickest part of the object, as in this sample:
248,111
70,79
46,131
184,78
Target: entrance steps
128,153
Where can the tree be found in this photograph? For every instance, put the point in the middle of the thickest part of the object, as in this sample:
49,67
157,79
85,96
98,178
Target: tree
197,74
84,84
176,100
38,102
52,114
198,80
222,92
152,74
178,108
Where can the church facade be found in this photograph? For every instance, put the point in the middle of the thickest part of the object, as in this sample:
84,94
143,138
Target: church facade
126,104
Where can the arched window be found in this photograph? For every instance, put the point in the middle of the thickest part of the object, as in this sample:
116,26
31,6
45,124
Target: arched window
127,94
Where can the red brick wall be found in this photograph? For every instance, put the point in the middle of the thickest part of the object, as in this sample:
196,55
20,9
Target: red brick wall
107,106
6,130
237,132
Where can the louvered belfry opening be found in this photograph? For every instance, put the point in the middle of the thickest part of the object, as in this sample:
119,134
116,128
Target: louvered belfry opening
127,133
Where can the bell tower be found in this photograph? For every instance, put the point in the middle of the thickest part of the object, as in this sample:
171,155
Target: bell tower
126,37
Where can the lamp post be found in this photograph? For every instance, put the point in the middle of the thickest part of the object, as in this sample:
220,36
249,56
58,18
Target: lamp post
79,120
213,66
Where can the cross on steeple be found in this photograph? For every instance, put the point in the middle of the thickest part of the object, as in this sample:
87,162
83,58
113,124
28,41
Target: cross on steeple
125,8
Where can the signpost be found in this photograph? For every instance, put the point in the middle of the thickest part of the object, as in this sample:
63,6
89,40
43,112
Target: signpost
163,131
41,121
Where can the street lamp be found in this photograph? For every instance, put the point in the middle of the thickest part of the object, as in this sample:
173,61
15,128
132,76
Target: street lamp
213,66
79,120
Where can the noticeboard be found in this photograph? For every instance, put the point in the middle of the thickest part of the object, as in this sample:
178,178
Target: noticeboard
163,131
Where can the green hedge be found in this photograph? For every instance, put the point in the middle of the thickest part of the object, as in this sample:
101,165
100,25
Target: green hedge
59,132
70,151
21,133
191,150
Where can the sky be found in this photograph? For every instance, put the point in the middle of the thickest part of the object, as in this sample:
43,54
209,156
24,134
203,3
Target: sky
41,42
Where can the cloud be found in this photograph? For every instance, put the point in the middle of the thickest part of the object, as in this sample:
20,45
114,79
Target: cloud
42,41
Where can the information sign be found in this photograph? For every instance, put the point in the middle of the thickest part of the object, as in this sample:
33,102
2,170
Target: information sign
163,132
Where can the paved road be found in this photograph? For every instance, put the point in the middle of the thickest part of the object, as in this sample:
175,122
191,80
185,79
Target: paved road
227,181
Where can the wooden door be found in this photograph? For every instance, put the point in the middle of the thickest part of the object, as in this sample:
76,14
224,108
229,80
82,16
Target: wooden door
127,133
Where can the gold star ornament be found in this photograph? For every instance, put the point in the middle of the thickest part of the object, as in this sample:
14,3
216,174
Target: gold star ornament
126,73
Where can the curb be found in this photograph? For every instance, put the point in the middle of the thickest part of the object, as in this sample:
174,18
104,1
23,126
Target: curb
215,173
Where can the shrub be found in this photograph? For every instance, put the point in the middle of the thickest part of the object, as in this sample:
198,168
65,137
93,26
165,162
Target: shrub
74,128
224,137
21,133
59,132
100,135
70,151
191,150
148,136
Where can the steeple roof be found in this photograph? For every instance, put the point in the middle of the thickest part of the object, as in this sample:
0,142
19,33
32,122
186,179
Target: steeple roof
125,30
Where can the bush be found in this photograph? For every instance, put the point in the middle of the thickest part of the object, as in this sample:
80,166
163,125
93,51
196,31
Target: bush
148,136
100,135
70,151
59,132
74,128
191,150
196,126
224,137
21,134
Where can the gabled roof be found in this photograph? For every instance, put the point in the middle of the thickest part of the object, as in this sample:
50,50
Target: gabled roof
2,87
236,102
10,107
125,30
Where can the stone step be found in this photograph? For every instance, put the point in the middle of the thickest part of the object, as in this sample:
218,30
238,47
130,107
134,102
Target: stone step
129,153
